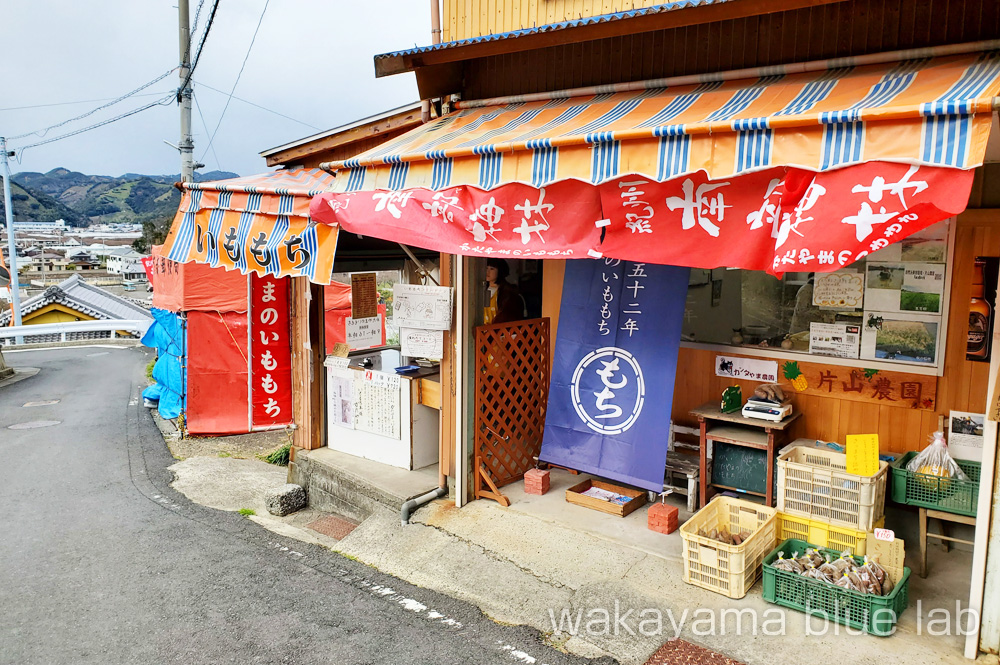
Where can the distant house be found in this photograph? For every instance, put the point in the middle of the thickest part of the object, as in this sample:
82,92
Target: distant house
75,300
82,261
124,259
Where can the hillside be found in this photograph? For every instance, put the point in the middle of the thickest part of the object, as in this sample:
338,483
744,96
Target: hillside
37,206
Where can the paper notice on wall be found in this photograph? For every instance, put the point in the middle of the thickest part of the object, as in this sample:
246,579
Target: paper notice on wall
363,333
840,340
965,435
844,289
377,403
340,398
422,343
750,369
905,287
422,307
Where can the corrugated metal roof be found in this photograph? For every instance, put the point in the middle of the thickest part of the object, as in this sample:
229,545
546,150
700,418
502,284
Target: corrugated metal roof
553,27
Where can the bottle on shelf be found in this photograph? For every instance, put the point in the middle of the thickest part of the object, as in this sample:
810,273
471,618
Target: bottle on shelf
978,345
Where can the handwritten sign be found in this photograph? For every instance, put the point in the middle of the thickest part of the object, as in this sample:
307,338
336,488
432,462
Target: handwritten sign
363,333
422,343
364,296
377,403
887,535
423,307
340,350
751,369
862,454
839,290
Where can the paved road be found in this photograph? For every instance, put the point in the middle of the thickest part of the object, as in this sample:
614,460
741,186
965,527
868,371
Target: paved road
101,562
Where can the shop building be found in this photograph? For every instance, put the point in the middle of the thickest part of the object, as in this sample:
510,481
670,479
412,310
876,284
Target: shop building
728,121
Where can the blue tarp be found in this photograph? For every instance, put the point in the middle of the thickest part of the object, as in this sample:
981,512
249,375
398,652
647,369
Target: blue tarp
167,336
613,373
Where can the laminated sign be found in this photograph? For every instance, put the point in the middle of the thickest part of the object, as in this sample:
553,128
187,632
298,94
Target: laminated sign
270,352
614,369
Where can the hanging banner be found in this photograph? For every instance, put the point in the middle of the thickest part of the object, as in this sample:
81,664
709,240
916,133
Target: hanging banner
270,352
614,368
779,220
556,221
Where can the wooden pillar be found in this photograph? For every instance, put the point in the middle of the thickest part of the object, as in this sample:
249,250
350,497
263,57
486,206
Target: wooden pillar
446,445
307,364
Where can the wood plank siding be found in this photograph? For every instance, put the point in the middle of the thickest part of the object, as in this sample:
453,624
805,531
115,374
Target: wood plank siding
833,30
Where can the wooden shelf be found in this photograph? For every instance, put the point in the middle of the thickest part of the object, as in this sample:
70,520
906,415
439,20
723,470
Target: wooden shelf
741,436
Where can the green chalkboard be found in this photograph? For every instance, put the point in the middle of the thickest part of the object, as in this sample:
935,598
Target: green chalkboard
740,467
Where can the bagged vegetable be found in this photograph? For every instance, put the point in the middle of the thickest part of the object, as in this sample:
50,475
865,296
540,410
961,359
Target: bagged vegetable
935,460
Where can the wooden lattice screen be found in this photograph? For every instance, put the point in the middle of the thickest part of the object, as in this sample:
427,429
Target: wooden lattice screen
512,392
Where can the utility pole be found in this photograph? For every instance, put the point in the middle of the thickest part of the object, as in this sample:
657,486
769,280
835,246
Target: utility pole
8,206
186,144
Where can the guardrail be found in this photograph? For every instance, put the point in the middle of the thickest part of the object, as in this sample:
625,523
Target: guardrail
71,332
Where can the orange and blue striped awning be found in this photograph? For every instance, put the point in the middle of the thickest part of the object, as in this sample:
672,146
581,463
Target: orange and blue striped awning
933,112
255,224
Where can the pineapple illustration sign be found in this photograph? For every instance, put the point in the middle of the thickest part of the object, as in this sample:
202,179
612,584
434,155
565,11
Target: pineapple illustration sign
794,374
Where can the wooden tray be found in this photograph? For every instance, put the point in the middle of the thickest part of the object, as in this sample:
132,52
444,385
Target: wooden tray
574,495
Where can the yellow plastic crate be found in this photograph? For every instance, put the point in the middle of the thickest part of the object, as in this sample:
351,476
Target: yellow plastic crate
727,569
823,534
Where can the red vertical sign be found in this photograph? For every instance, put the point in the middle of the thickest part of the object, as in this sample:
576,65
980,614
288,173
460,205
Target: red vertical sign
270,352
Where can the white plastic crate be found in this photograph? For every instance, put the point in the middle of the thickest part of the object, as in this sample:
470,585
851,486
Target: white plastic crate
813,482
727,569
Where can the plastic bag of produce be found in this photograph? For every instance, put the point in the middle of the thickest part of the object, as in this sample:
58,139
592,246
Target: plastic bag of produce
934,460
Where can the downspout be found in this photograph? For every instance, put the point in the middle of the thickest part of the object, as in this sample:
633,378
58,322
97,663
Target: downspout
425,115
425,104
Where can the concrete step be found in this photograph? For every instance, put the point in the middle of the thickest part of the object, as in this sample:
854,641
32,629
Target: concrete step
355,487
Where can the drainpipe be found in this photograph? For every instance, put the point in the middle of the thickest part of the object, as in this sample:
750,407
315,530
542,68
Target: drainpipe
425,104
410,506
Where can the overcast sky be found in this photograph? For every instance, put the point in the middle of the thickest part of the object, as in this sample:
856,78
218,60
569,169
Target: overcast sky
312,61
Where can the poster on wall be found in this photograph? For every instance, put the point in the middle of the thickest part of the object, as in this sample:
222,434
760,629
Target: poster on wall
363,333
844,289
377,403
270,352
750,369
982,308
839,340
364,295
904,287
965,435
900,337
424,307
422,343
341,394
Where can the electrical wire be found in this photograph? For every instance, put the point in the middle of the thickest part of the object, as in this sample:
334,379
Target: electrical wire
204,124
81,101
201,46
242,67
262,108
160,102
46,130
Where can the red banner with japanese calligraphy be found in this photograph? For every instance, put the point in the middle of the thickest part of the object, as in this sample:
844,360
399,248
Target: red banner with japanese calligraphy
270,352
556,221
779,220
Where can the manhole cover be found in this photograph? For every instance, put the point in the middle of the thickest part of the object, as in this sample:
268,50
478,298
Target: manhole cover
44,402
333,526
35,424
679,652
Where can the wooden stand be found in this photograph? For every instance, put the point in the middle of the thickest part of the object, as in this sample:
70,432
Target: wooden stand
733,428
926,513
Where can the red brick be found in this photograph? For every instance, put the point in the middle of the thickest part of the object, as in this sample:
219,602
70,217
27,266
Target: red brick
662,518
536,481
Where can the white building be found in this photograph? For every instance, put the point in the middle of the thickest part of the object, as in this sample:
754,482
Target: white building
122,260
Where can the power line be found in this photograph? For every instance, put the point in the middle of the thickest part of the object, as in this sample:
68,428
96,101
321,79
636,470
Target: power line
160,102
201,46
81,101
204,124
242,67
262,108
46,130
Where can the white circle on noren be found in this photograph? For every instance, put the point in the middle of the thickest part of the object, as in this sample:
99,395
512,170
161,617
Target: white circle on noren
640,392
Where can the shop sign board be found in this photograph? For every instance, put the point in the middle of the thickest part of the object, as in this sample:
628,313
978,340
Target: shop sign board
750,369
364,296
270,352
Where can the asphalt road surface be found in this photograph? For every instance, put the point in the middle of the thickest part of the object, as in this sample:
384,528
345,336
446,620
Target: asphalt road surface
102,562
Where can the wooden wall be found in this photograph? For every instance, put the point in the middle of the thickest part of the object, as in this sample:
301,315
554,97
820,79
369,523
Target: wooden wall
963,386
847,28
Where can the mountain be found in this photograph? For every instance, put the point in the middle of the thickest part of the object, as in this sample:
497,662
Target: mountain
82,199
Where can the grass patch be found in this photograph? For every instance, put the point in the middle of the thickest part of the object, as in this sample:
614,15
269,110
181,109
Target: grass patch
223,453
149,369
279,456
247,512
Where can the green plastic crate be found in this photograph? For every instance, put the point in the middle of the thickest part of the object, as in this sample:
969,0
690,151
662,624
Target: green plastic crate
873,614
948,494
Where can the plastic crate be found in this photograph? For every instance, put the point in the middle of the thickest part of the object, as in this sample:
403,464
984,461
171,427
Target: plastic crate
814,483
873,614
727,569
948,494
836,538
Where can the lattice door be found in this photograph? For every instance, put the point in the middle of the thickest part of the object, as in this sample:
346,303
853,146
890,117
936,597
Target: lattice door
512,392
